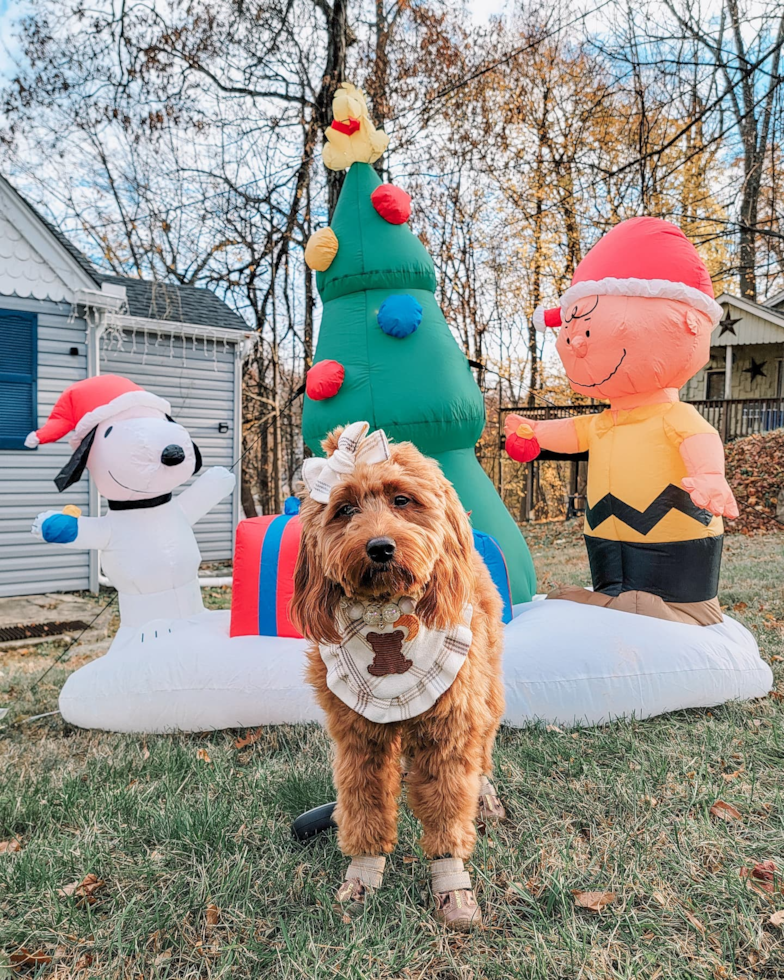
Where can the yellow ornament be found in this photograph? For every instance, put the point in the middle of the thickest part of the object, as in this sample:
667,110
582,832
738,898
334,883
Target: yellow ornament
525,431
321,249
72,510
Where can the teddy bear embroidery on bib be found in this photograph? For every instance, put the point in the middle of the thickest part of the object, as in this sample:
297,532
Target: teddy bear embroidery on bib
394,671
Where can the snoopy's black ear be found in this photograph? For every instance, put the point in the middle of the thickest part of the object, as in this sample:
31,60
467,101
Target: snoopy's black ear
73,469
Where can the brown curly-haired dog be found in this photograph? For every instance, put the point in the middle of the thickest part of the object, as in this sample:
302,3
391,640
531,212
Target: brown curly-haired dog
406,502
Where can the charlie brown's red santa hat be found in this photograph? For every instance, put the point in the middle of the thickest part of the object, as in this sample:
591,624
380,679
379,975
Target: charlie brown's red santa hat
645,257
85,404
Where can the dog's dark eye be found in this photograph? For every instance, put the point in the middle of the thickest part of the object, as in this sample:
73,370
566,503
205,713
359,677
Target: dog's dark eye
108,431
401,500
347,510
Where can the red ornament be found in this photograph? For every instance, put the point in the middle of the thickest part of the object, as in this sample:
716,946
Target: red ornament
522,450
324,380
348,128
392,203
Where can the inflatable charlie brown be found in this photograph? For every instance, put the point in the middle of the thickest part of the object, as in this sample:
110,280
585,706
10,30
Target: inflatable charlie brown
635,325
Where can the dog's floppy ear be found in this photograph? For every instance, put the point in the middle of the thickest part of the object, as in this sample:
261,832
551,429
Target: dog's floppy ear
453,581
73,469
196,450
314,604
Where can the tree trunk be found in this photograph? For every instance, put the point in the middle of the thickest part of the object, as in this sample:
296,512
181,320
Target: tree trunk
536,285
248,503
334,74
747,257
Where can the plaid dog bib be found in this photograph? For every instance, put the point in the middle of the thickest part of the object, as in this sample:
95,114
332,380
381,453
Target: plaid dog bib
395,672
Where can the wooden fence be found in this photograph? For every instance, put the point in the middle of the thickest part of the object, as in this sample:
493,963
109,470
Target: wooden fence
732,419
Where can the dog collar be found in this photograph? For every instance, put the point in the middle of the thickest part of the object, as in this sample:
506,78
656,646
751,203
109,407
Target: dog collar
378,612
140,504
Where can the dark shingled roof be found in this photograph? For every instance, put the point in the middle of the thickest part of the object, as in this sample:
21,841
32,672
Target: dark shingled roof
155,300
166,301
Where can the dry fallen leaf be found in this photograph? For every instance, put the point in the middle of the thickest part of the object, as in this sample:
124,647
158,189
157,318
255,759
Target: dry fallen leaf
85,889
595,901
203,755
695,921
725,811
84,961
23,957
250,739
740,606
163,957
554,728
777,919
9,846
212,915
145,751
760,877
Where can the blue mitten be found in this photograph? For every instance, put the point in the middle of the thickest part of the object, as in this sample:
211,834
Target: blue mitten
60,528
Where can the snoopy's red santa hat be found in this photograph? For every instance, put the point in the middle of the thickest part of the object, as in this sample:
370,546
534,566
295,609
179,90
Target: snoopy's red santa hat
645,257
82,406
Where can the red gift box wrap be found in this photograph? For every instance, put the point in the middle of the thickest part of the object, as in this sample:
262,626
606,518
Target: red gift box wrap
265,556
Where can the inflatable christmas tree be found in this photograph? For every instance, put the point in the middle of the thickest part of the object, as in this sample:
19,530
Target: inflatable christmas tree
385,353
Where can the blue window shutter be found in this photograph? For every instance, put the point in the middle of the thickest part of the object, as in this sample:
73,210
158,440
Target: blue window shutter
18,377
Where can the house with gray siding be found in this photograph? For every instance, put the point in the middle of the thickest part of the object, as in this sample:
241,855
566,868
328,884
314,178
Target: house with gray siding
60,321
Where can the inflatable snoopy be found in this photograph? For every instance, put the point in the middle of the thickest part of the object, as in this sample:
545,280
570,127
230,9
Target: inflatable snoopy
171,665
137,455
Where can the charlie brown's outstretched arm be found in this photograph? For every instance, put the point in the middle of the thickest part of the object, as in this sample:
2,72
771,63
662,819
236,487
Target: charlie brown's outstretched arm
557,435
703,456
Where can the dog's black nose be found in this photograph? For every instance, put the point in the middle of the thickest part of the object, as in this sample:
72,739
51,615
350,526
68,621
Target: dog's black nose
380,550
172,455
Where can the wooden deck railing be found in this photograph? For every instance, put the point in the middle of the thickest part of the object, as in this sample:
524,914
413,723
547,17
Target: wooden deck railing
732,419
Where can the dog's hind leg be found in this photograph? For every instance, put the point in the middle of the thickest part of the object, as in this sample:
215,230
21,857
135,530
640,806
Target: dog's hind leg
491,809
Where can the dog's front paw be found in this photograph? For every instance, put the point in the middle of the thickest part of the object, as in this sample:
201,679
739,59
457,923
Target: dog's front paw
363,876
456,905
350,897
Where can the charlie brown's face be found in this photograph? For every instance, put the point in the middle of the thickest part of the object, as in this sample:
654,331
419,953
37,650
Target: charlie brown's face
612,346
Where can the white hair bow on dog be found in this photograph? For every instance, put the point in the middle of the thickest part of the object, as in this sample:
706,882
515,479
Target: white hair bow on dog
355,446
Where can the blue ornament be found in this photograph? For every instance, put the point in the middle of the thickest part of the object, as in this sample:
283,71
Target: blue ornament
291,505
60,528
399,316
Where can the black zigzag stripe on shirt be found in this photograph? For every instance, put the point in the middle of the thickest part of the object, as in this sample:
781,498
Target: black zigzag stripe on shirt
643,521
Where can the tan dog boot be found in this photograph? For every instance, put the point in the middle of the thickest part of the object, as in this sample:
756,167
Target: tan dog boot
491,809
363,876
455,903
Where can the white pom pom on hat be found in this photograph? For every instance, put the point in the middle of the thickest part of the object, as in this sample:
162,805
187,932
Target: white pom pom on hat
546,318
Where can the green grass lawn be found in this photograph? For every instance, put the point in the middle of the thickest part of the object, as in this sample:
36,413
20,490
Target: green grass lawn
190,836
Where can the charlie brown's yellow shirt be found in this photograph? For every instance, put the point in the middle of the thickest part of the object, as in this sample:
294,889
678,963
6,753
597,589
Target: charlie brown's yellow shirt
635,471
643,532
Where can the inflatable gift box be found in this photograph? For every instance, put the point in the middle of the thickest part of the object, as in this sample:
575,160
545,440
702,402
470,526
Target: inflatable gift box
264,560
493,557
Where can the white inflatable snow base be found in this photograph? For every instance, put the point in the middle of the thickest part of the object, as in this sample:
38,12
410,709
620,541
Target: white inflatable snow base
564,663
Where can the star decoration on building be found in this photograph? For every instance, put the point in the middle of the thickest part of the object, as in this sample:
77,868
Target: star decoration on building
727,323
756,370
